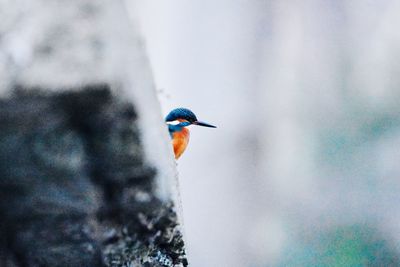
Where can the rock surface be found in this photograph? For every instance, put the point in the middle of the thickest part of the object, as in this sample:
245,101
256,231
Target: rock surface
86,168
75,189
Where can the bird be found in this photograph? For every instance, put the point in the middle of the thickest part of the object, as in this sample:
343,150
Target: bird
178,120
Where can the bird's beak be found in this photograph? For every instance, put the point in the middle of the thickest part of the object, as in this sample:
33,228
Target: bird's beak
199,123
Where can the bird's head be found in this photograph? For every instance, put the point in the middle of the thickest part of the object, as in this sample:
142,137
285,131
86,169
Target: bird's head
185,117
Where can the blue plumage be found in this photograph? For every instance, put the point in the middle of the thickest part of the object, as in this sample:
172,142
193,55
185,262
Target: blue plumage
178,127
181,113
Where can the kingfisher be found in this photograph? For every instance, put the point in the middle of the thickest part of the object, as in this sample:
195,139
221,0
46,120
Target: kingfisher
178,120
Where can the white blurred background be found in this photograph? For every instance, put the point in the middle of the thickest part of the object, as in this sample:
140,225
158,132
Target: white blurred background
303,169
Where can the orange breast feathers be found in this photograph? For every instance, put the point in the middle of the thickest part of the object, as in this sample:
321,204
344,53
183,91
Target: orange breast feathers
180,141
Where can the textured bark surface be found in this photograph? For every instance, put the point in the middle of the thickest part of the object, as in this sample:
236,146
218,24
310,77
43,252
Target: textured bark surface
75,190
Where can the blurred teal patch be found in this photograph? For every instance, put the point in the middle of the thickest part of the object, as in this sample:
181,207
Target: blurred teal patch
348,144
355,245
